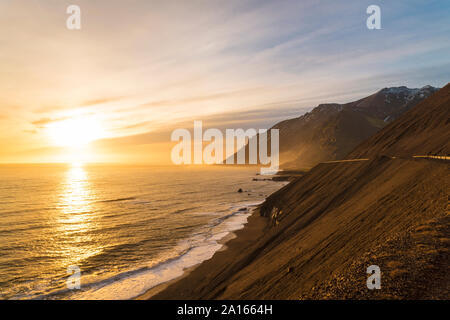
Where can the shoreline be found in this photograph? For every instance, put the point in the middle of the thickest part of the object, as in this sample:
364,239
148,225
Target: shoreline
160,287
232,245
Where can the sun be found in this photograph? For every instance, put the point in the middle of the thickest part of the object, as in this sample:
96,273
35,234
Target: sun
75,132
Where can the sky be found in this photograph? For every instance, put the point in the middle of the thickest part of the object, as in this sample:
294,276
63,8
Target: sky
138,69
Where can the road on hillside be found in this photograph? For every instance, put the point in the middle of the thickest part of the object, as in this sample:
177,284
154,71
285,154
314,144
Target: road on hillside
366,159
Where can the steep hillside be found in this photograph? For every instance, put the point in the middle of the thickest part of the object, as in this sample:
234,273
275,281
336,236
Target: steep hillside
423,130
325,228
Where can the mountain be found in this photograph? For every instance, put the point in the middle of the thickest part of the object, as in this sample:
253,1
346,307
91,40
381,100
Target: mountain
423,130
330,131
315,237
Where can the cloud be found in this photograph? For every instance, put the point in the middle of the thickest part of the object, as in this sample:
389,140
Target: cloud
258,119
31,131
150,65
93,102
44,121
185,101
49,109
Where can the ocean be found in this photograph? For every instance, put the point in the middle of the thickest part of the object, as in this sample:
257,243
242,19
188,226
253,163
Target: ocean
127,228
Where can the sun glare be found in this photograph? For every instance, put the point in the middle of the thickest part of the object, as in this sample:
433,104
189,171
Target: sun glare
75,132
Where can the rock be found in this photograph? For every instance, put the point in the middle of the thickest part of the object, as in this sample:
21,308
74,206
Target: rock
240,190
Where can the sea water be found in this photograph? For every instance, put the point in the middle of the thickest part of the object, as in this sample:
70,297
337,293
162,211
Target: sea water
127,228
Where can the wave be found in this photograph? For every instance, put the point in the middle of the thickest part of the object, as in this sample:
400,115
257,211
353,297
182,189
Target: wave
117,200
189,252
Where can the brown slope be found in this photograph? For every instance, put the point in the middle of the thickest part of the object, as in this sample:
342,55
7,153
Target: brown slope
327,134
422,130
415,265
325,228
330,218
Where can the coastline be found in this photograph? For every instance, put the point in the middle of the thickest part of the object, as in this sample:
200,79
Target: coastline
232,246
324,240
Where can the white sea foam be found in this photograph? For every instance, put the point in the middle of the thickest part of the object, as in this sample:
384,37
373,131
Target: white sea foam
202,247
127,229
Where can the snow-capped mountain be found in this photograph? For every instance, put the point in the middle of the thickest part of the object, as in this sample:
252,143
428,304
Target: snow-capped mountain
330,131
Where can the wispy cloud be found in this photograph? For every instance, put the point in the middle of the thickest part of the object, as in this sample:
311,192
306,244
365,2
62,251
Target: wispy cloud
44,121
142,66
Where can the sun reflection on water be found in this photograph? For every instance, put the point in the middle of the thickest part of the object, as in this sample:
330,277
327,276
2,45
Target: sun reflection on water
76,218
